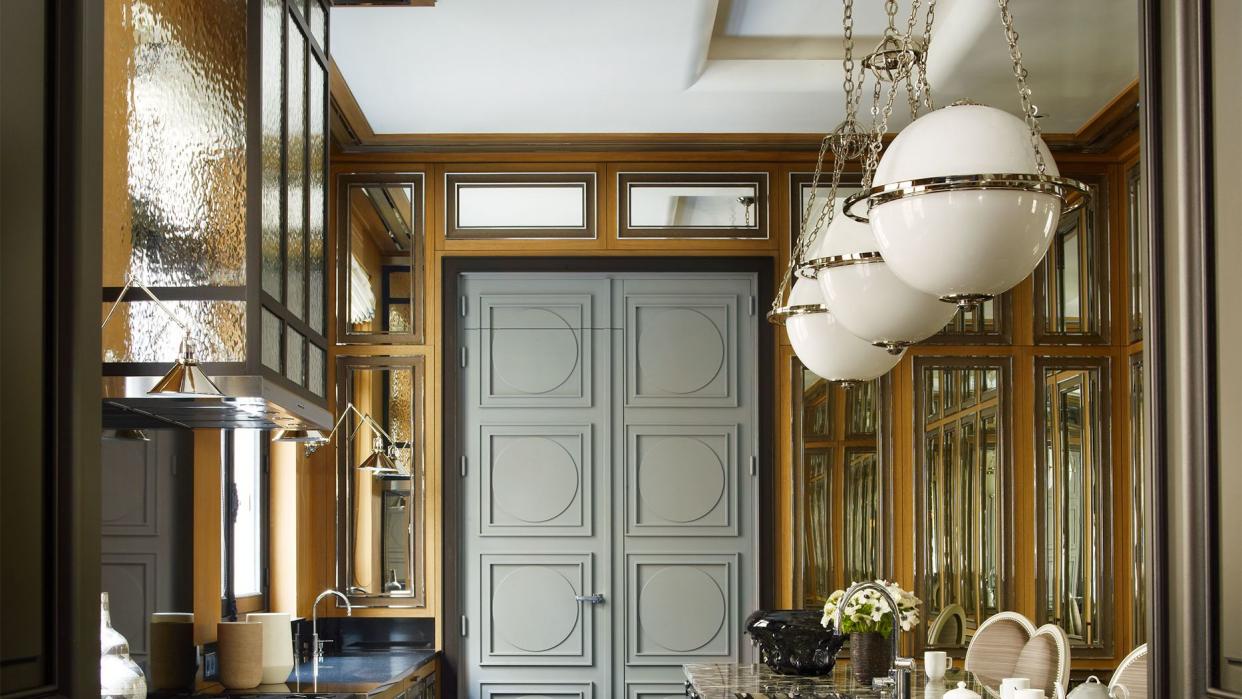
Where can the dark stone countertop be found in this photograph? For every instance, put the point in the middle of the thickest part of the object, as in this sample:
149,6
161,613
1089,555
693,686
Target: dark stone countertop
356,672
362,671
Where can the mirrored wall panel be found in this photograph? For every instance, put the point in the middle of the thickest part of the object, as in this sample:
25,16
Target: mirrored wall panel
497,205
380,260
1138,504
962,494
1071,284
800,189
1136,244
692,205
1074,576
381,514
841,497
986,323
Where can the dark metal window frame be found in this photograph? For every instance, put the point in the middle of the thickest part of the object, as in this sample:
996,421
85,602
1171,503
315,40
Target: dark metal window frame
229,504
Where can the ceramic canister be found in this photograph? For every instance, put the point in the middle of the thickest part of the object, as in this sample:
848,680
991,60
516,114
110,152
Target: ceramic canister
240,648
277,645
173,661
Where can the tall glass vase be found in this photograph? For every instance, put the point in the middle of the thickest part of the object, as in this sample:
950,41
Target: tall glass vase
119,676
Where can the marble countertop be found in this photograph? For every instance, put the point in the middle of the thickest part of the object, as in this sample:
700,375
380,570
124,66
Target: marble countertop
759,682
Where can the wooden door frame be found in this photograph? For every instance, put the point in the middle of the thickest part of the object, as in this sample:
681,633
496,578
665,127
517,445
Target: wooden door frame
450,273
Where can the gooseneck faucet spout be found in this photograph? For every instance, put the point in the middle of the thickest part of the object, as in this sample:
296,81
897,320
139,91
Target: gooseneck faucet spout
900,673
316,644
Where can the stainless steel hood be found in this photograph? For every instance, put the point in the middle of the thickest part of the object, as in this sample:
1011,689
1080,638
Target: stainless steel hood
249,402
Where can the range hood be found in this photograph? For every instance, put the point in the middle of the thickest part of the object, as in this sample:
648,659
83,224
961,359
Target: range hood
249,402
215,183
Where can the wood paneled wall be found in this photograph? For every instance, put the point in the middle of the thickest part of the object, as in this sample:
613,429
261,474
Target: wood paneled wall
779,163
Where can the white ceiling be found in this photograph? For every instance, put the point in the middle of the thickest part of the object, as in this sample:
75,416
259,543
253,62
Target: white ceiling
660,66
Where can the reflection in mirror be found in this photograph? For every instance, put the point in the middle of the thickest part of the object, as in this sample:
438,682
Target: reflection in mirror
693,205
962,499
1135,233
840,487
520,205
1072,281
1073,506
381,518
1138,490
381,258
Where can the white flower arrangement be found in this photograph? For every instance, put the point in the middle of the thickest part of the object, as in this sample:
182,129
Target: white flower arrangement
869,611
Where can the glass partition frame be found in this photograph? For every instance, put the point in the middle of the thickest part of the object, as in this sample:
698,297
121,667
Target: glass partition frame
417,598
1138,506
1098,640
758,181
418,283
1136,251
980,403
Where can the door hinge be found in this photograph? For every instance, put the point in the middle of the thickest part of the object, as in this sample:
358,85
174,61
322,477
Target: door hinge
754,465
463,307
752,305
463,357
464,626
463,465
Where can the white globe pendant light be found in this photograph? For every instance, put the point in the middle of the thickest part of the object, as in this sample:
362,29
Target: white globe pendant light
962,208
864,295
824,346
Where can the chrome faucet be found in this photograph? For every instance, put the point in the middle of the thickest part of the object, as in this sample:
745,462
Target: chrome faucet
899,675
316,644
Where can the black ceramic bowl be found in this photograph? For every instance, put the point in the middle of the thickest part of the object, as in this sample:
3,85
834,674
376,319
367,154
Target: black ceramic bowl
793,642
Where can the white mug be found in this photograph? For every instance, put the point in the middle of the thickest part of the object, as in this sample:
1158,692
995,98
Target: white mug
1010,685
935,663
1028,693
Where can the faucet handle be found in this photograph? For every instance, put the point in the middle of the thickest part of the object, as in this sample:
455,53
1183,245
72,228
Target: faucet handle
903,663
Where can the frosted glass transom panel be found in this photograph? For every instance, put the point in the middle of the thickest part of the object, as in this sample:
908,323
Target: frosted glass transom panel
175,142
520,205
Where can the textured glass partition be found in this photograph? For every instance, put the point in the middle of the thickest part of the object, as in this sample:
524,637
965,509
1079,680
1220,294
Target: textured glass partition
179,106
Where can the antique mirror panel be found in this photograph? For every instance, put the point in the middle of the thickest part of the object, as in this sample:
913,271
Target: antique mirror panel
381,517
380,260
692,205
1072,281
841,487
962,487
1074,576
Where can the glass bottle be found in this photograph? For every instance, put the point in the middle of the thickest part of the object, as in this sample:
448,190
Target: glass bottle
119,676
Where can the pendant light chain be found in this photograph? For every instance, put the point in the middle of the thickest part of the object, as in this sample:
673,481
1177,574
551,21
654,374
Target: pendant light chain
1029,111
924,86
844,142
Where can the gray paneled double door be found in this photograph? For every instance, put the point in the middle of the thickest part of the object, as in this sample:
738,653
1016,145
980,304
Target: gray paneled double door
609,435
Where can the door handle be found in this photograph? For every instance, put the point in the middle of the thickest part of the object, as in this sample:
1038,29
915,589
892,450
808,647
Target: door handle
596,598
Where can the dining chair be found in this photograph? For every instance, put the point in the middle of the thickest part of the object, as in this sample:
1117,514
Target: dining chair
1131,676
1007,644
